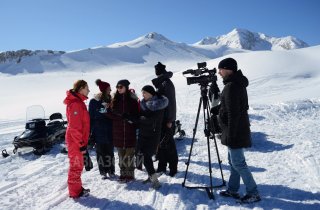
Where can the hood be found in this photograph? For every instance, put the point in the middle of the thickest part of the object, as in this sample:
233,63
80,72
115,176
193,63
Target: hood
157,81
238,78
73,97
155,103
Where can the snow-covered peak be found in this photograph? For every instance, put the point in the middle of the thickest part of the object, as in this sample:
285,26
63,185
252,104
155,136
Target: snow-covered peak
245,39
149,38
157,37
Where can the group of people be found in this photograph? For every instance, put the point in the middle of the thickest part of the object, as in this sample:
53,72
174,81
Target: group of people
122,121
154,117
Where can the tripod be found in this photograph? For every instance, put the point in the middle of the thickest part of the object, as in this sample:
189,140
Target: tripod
208,127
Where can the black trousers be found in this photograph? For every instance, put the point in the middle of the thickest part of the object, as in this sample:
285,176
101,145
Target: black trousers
105,158
148,164
167,153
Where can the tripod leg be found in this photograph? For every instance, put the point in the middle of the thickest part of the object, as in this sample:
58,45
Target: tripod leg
217,151
192,142
216,146
207,133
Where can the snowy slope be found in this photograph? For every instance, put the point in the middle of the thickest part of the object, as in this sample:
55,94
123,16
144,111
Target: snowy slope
284,115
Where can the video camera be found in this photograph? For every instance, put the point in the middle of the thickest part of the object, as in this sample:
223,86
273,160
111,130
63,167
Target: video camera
204,79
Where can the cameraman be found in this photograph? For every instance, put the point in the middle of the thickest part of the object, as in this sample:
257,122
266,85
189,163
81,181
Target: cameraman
167,151
234,122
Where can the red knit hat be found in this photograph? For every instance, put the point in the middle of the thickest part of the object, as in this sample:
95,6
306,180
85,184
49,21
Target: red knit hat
102,85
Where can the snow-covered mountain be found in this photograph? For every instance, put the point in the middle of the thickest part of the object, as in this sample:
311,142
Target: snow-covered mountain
245,39
150,48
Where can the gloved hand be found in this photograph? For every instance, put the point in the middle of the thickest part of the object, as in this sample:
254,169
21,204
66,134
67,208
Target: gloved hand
125,116
215,110
87,161
83,149
130,119
164,141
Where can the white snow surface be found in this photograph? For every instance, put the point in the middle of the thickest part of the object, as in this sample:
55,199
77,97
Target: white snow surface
284,159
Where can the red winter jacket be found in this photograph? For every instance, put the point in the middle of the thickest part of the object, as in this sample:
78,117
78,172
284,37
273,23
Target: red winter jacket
78,129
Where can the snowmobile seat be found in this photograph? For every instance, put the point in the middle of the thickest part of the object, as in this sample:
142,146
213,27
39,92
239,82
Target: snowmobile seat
55,116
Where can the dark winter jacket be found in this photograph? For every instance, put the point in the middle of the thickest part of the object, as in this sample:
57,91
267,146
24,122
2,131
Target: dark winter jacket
233,113
124,132
101,126
150,121
165,87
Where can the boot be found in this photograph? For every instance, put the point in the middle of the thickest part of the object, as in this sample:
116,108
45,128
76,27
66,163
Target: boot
154,181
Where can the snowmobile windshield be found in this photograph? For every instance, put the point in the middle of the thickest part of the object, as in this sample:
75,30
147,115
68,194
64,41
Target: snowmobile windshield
35,112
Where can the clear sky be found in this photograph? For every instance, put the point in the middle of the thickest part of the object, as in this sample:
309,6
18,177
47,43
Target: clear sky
79,24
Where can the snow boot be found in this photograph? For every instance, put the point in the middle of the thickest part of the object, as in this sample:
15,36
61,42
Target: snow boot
250,198
228,193
84,192
154,181
146,181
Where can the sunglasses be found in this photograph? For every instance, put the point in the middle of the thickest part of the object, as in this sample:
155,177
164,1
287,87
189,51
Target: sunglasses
119,87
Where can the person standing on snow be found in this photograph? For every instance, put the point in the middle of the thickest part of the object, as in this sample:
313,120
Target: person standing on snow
101,130
77,135
167,151
124,106
234,122
150,123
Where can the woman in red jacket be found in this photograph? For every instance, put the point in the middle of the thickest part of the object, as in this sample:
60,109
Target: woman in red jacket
77,135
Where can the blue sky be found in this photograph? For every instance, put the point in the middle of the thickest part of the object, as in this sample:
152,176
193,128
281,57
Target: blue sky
78,24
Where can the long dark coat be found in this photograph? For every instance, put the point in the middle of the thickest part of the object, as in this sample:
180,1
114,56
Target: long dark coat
150,122
233,113
101,126
165,87
124,132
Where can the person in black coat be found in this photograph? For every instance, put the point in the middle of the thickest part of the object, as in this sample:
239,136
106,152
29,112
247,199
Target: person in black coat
150,122
167,151
234,121
101,130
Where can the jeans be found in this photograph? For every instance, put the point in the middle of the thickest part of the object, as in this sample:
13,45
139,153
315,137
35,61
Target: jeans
239,169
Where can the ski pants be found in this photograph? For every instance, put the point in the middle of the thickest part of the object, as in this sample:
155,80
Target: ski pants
75,170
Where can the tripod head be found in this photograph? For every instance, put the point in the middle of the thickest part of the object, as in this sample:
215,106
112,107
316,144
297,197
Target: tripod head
204,95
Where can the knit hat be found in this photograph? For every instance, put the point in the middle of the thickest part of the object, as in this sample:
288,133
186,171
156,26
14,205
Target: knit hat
149,89
160,68
103,86
124,82
228,63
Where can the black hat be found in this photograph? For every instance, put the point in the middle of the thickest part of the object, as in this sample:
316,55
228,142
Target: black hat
123,82
160,68
149,89
228,63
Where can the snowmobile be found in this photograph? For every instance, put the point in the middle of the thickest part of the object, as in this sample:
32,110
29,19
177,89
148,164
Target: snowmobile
39,134
178,130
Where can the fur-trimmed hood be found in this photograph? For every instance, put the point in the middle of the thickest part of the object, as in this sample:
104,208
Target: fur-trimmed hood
155,103
97,96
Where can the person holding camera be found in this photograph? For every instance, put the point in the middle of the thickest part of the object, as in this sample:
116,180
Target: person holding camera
101,130
167,151
234,121
123,111
77,135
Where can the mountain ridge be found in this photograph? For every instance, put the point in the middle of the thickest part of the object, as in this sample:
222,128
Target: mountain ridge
148,48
